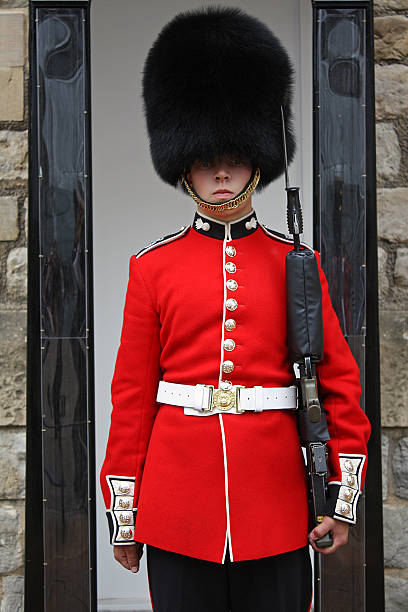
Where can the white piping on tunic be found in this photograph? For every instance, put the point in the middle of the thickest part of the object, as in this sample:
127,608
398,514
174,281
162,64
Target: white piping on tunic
227,238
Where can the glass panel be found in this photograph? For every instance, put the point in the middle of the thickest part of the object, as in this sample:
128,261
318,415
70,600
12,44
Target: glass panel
65,476
341,120
341,66
61,145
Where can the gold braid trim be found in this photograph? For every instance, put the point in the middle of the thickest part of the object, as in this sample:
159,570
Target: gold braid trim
233,203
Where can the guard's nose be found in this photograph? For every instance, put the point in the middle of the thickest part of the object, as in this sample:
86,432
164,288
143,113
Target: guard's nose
221,173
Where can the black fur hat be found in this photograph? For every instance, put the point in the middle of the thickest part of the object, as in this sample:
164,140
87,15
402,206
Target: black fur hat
213,84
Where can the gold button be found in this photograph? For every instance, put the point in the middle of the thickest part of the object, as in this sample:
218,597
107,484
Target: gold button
232,284
348,465
227,366
125,519
230,267
351,481
124,504
124,489
230,251
348,494
230,324
231,304
229,344
345,509
126,534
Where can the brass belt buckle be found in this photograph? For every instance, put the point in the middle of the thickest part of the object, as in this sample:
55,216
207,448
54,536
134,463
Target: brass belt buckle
223,399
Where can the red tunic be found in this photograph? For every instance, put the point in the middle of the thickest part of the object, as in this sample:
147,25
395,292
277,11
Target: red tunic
198,483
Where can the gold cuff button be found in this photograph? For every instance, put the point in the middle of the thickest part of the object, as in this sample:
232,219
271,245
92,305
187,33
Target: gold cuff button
345,509
351,481
348,465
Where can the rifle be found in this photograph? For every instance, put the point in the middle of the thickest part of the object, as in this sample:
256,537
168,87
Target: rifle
305,342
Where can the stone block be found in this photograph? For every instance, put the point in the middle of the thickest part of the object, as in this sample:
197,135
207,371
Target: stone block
396,594
17,272
12,37
13,348
13,594
392,214
26,218
13,155
391,37
401,268
12,93
393,5
11,549
12,464
391,91
9,219
394,382
388,152
385,445
395,536
383,283
400,468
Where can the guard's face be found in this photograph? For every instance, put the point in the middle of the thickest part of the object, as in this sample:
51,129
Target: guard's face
219,180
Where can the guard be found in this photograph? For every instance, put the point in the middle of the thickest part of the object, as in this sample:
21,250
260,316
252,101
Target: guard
203,463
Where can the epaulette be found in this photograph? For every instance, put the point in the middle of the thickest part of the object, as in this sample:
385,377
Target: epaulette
287,238
164,240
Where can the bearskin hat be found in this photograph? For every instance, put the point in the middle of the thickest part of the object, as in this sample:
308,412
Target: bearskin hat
213,84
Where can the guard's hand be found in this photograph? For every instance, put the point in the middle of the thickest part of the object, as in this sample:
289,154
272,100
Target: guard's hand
339,532
129,555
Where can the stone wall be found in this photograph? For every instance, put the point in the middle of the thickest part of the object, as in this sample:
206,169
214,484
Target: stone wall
13,287
391,56
391,49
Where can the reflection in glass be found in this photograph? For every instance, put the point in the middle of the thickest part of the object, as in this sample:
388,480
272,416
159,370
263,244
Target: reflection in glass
340,78
61,142
341,120
64,293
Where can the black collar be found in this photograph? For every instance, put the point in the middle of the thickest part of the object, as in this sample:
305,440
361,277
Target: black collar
219,229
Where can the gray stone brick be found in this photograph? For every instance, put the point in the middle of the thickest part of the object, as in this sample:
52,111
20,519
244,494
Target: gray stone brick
392,213
12,464
391,91
394,382
17,272
11,549
383,282
401,267
13,155
9,219
395,536
389,151
396,594
391,37
13,367
385,445
13,594
400,468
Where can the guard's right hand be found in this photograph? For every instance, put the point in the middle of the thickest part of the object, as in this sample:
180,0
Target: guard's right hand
129,555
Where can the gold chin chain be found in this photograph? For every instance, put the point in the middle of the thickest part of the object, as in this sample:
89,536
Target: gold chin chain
233,203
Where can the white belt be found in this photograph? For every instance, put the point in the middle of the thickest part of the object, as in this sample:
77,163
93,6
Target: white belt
204,400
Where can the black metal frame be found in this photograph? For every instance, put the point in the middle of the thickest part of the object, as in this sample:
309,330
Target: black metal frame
373,541
35,529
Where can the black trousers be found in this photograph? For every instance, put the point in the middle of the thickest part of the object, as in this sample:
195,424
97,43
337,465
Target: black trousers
282,583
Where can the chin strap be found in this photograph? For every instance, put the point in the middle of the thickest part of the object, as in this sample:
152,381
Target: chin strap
233,203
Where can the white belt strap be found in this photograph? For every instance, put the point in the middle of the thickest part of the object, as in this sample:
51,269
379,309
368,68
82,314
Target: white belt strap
204,400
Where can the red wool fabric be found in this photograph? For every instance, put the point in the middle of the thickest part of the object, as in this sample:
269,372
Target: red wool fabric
200,481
